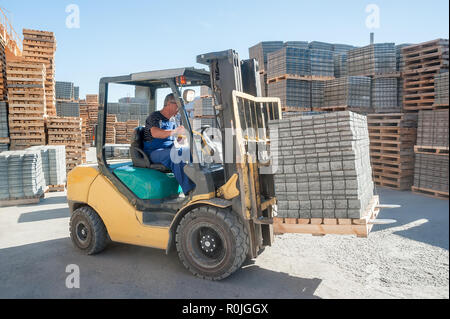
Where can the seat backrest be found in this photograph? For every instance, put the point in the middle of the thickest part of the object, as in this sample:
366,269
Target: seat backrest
139,158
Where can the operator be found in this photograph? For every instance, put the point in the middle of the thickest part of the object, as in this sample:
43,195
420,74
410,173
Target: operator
159,140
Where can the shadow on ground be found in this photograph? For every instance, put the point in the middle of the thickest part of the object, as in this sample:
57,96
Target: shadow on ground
124,271
44,215
430,226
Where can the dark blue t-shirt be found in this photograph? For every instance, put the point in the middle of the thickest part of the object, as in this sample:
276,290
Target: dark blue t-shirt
156,119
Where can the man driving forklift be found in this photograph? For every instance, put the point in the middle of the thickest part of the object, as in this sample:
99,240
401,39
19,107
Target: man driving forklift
159,134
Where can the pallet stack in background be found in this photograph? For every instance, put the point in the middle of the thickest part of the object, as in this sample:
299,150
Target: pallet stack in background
204,110
67,131
111,121
432,152
40,46
392,140
121,133
130,108
67,104
27,104
3,86
131,125
92,115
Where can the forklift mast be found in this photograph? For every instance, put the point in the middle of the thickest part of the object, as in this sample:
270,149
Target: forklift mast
236,87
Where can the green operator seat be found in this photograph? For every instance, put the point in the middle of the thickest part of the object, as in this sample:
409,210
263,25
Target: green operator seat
148,183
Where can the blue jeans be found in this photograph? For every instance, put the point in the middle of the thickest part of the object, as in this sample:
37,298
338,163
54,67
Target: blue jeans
162,156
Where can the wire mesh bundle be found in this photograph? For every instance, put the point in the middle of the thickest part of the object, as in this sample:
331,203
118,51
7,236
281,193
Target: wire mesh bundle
372,59
292,92
384,94
289,60
352,91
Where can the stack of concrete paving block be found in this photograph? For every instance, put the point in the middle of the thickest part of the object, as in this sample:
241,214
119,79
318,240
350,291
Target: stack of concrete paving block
67,109
441,88
323,166
4,131
117,151
431,175
53,163
432,130
342,48
379,58
340,65
321,46
400,68
289,60
4,185
261,50
292,92
385,95
296,44
76,93
351,91
322,63
317,93
64,90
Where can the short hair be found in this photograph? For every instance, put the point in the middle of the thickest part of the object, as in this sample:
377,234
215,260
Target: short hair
170,97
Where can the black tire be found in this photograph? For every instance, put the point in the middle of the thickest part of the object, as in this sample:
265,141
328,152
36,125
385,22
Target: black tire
87,231
212,243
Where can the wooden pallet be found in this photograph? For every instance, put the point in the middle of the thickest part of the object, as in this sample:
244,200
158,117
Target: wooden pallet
21,201
436,150
56,188
327,226
299,77
430,192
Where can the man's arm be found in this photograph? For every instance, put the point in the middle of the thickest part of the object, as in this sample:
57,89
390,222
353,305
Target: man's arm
162,134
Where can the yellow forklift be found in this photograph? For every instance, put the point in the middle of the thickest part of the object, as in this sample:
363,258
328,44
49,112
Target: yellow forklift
229,215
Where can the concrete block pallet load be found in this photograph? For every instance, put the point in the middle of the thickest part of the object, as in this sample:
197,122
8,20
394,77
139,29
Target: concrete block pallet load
22,177
53,166
64,91
67,131
422,63
441,84
352,93
27,104
323,180
392,140
40,47
385,95
432,152
4,131
67,109
400,69
204,110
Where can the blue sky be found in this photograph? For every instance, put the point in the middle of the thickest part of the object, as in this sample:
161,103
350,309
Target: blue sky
122,37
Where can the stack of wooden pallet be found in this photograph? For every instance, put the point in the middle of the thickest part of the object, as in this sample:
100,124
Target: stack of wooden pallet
131,125
3,87
111,121
27,104
92,108
432,151
67,131
40,46
84,115
392,139
121,133
422,63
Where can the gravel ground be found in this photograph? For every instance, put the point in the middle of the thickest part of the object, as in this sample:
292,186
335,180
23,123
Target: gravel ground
408,259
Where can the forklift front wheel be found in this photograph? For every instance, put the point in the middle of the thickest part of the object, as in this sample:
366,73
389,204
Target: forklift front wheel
212,243
87,231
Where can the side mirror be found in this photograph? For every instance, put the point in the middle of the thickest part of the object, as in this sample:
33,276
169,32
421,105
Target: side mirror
188,96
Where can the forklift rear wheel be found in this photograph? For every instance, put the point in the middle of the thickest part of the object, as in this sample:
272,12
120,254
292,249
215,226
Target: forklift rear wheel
212,243
87,231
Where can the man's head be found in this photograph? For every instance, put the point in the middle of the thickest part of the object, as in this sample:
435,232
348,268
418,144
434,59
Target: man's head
170,106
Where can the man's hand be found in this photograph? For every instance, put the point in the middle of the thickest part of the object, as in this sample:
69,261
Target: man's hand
180,130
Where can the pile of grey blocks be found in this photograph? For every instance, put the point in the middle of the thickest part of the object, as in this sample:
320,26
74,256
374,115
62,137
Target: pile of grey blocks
21,175
67,109
441,88
431,172
351,91
129,108
385,95
4,131
64,90
322,62
317,93
433,128
379,58
289,60
323,168
261,50
340,65
53,163
76,93
117,151
292,92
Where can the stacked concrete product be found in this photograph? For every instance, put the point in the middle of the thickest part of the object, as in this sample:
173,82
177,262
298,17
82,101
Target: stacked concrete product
53,163
321,46
322,63
340,65
379,58
22,175
130,109
441,87
117,151
339,48
296,44
293,93
288,60
261,50
385,95
76,93
204,109
317,93
4,131
431,166
40,46
422,63
323,166
64,90
67,109
352,92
